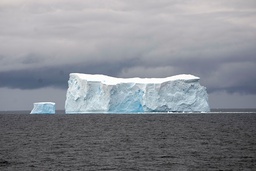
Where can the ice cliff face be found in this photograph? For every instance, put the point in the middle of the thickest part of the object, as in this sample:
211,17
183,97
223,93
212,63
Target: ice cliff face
43,108
103,94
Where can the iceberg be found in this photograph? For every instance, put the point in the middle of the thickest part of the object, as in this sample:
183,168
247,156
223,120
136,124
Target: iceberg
88,93
43,108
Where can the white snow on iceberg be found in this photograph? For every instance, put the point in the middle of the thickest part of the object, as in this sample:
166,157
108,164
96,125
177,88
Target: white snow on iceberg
104,94
43,108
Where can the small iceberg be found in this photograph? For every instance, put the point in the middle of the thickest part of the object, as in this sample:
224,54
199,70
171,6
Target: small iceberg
43,108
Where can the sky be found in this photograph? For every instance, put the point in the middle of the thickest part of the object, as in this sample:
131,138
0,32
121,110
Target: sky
42,41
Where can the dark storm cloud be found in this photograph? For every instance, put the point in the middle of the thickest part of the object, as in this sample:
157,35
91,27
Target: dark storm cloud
43,41
57,76
232,78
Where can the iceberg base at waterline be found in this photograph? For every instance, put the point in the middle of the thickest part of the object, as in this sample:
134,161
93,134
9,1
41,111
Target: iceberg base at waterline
43,108
88,93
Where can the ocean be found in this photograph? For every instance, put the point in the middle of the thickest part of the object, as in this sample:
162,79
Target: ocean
220,140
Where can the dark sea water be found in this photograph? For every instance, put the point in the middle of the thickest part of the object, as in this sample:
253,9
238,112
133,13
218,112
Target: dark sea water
216,141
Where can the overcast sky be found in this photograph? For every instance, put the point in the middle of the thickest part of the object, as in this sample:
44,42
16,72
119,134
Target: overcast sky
42,41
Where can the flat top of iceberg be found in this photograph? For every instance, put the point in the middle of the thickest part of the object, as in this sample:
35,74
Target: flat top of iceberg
45,103
113,80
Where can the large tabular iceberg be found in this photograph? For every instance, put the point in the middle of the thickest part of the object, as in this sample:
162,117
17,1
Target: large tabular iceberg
103,94
43,108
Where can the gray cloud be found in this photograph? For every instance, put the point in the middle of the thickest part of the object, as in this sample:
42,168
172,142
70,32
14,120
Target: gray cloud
43,41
